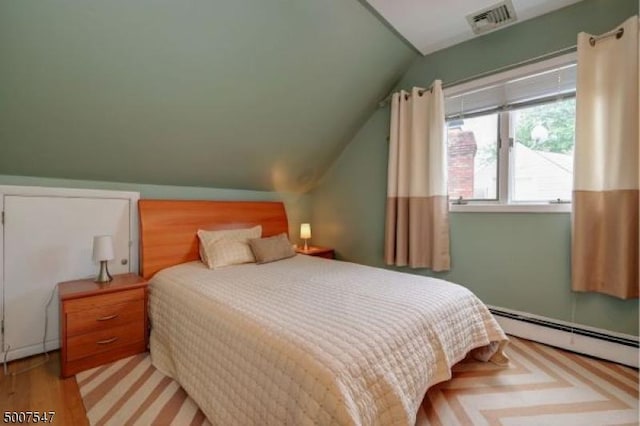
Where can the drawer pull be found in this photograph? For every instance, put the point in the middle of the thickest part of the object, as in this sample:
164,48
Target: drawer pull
106,341
108,317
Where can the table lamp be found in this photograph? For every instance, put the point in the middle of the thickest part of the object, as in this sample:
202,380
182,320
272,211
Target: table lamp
305,233
103,252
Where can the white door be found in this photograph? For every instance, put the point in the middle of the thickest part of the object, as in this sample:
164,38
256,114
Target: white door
48,239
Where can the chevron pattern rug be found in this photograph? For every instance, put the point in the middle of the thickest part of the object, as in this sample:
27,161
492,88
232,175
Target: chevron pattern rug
541,386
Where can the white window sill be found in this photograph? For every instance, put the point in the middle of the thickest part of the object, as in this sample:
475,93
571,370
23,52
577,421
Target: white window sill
510,208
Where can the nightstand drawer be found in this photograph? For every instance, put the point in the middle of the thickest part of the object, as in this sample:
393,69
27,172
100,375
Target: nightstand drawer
101,322
105,317
89,344
95,302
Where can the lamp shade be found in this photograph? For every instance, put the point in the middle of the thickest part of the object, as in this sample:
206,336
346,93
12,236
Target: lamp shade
305,231
102,248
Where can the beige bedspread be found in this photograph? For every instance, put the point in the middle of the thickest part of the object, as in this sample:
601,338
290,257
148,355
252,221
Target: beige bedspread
311,341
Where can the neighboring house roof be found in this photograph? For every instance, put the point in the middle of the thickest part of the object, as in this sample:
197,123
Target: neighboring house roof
540,175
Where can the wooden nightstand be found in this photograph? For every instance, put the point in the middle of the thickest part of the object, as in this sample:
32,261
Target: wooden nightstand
317,251
100,323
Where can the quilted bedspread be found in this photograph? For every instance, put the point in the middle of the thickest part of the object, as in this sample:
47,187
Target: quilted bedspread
312,341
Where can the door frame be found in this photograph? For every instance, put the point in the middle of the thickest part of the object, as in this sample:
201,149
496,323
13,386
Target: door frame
40,191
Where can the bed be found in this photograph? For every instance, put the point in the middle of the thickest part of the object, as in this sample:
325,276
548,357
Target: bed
303,340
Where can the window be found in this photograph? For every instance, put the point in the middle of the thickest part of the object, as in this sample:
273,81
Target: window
510,143
539,151
542,152
473,157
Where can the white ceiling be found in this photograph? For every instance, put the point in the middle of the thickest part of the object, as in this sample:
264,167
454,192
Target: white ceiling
432,25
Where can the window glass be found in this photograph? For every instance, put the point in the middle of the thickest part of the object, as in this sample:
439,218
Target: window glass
473,157
542,153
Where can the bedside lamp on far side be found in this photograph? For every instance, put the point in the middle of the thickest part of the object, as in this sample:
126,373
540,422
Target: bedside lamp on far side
305,233
103,252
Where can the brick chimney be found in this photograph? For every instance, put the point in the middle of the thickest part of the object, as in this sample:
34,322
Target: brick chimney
462,153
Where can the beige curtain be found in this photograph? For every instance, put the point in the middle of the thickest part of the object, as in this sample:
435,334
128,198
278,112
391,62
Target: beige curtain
605,238
417,224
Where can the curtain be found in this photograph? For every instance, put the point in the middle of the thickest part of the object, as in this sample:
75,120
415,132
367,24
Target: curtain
417,216
605,221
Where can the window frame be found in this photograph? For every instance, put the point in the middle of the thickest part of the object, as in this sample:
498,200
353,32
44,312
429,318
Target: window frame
505,163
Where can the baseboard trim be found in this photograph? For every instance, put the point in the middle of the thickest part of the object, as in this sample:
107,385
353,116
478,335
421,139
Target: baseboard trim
611,346
25,351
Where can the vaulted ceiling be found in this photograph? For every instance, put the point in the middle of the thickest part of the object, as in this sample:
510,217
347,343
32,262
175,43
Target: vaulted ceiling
259,94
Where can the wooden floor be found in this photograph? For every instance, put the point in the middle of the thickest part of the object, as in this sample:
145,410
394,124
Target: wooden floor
41,389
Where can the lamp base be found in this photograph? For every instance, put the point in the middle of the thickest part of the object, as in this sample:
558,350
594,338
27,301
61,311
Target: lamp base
306,247
104,276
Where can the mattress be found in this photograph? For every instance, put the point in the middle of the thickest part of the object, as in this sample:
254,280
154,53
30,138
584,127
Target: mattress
308,340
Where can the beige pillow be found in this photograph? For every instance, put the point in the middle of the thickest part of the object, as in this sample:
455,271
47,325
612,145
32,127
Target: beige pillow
271,249
227,247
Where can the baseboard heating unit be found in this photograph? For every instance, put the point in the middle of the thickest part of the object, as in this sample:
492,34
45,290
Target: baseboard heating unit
612,346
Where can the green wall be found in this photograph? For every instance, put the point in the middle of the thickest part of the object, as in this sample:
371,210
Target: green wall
519,261
250,94
297,205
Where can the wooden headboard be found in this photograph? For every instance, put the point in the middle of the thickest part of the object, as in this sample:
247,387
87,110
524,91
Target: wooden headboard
168,227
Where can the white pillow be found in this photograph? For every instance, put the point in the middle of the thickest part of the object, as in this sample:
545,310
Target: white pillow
228,247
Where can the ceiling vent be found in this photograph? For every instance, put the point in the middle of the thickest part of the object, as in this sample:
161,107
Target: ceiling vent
493,17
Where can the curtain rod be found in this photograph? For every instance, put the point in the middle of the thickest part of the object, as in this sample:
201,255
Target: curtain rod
618,33
558,52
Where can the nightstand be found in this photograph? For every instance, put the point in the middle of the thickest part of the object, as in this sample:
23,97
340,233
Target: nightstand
317,251
100,323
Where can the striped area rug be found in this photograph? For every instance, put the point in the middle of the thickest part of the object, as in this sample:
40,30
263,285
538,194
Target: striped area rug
132,392
541,386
